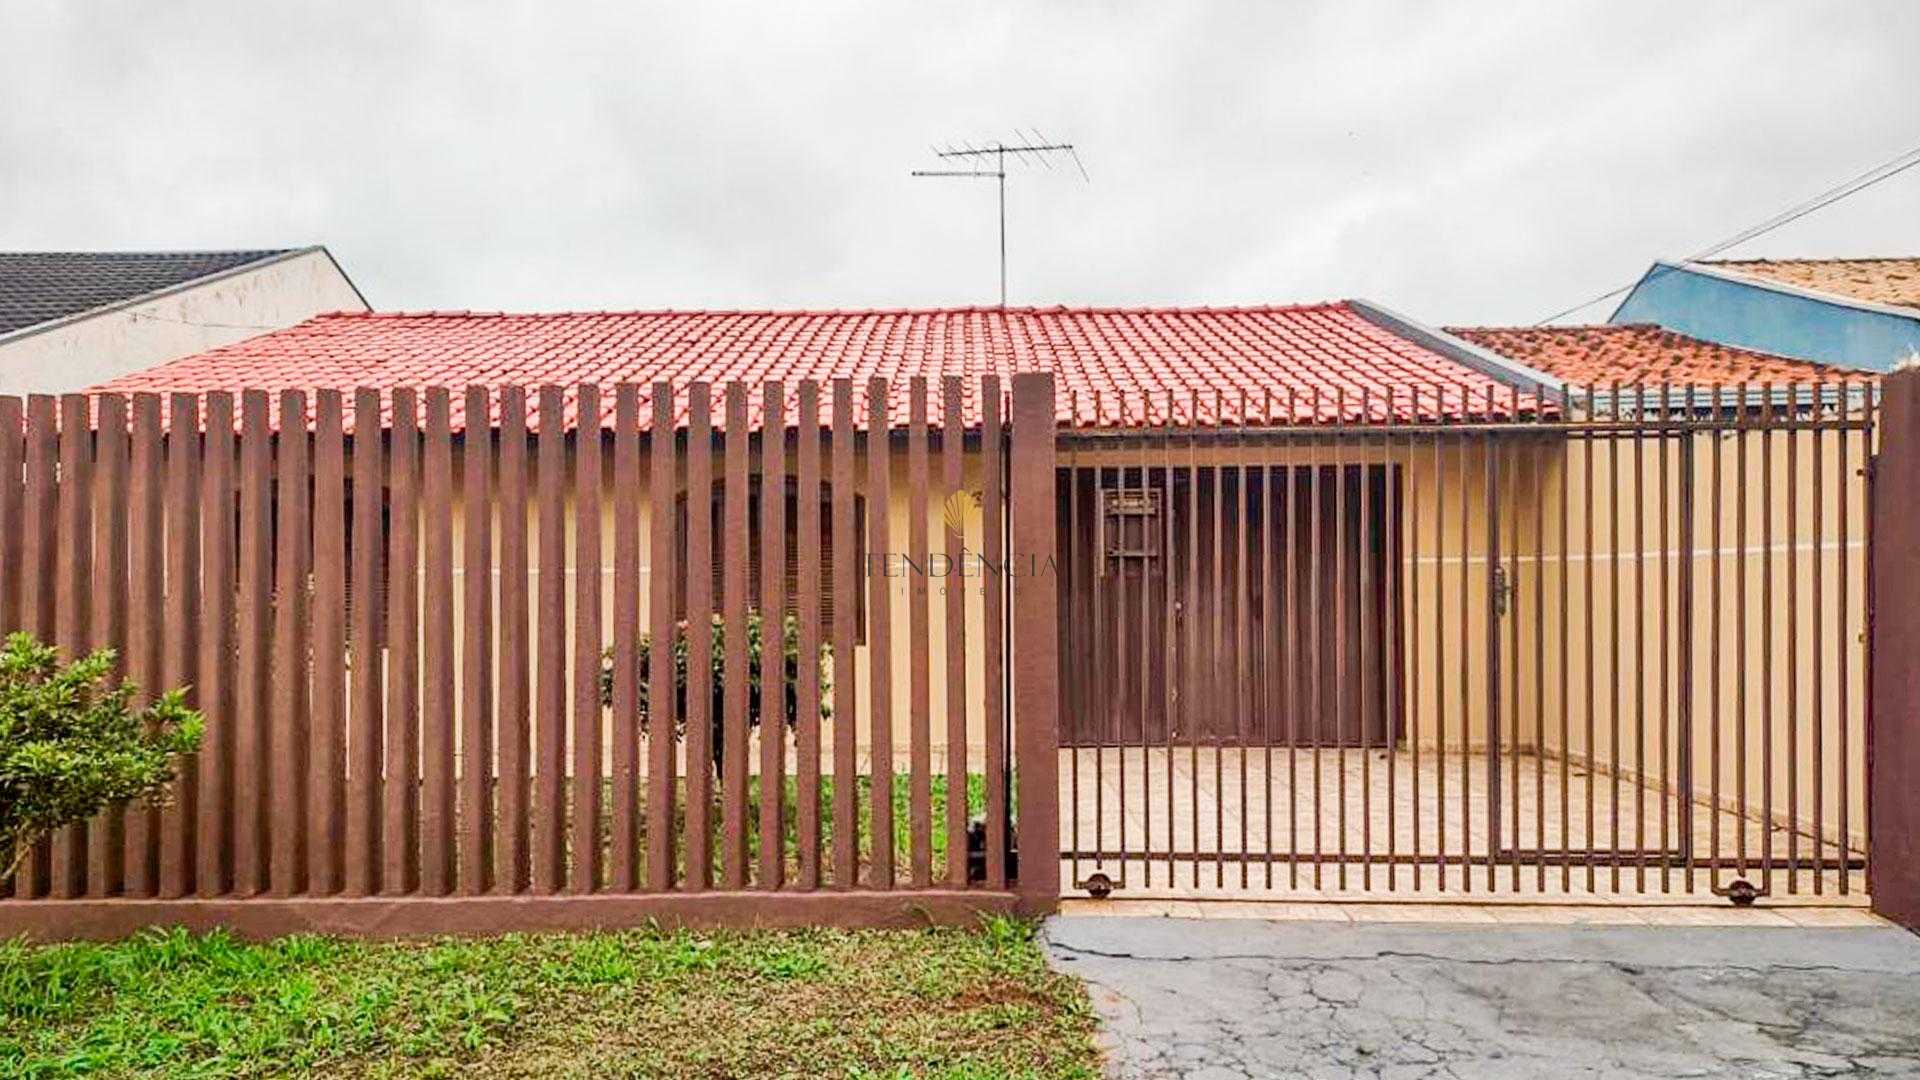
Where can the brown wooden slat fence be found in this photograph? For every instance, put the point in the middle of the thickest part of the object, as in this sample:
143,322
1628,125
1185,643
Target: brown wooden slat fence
435,635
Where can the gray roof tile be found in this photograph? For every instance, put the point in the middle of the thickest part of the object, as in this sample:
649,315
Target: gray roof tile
41,286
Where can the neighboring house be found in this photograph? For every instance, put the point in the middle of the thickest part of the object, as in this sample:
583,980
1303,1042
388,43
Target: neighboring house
1859,313
1642,355
69,319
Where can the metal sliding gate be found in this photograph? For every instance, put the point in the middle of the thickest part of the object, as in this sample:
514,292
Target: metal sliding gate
1587,643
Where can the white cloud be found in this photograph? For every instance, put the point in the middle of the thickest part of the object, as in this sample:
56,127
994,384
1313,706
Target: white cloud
1465,162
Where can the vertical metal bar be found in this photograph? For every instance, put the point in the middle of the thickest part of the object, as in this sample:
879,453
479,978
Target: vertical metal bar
698,819
774,717
1740,628
1689,477
437,794
550,656
1815,642
1290,647
1510,448
400,872
1640,637
1871,442
1118,652
1414,690
846,606
664,587
1216,641
326,736
1394,546
291,707
1439,637
588,745
807,558
1538,460
1666,623
1316,610
734,541
1195,711
1566,617
1592,701
1268,651
510,840
1490,471
994,582
1613,644
1340,626
1101,690
1842,631
1367,690
1793,641
1074,627
880,634
1767,689
1465,654
1242,657
1716,509
1145,666
920,674
622,871
1171,623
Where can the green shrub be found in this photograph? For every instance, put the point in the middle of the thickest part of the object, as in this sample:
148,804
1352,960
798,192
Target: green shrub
72,746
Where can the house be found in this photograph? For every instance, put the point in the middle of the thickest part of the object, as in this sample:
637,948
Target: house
1316,528
1857,313
1643,355
1116,369
70,319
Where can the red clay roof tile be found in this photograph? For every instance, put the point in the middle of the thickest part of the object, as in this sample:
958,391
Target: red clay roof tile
1636,354
1882,281
1115,366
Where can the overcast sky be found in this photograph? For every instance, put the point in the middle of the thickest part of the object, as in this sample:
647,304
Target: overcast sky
1478,163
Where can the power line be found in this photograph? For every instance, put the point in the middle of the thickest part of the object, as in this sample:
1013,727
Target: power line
1886,170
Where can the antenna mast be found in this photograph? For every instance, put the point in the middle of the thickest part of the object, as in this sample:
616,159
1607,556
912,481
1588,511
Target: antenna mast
1034,147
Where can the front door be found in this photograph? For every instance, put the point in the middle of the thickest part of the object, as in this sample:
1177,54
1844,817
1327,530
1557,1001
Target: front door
1231,604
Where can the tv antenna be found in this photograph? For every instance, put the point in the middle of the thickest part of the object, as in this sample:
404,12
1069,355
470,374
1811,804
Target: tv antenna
1031,147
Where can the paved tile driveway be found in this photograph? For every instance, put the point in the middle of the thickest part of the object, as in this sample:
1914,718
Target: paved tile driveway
1207,998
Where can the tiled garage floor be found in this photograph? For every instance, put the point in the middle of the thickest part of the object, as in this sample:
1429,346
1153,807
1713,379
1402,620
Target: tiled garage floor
1206,808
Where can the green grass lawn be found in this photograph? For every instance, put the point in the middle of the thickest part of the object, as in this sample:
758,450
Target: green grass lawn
931,1003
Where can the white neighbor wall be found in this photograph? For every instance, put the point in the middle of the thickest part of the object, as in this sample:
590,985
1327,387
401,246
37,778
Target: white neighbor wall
91,348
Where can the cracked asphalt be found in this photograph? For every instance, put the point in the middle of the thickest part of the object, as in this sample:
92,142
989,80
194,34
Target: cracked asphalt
1221,998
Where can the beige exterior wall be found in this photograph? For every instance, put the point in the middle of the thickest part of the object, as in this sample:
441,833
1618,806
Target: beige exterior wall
90,350
1758,638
